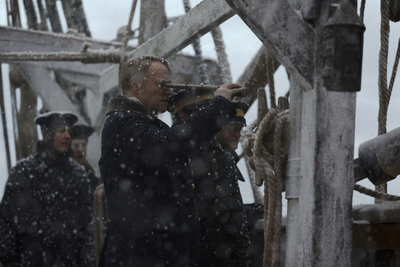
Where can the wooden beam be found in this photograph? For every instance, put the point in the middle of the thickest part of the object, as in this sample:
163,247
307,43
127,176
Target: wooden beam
17,40
75,67
4,121
197,22
152,19
283,32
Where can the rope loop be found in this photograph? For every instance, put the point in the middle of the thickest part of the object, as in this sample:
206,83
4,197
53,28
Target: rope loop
266,158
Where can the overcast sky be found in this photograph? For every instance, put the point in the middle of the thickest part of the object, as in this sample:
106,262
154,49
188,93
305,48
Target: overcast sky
106,17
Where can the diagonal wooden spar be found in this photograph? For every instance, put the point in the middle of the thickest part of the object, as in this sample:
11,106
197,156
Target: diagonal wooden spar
280,28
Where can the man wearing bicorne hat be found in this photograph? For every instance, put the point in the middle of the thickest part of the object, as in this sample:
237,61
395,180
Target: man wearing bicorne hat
79,140
46,210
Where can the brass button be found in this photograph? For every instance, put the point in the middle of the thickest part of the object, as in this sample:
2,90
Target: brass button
187,200
189,160
216,174
217,214
217,187
217,230
192,172
183,186
214,160
193,186
189,216
213,151
179,172
216,200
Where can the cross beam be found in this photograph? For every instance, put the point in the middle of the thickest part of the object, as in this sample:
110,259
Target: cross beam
283,32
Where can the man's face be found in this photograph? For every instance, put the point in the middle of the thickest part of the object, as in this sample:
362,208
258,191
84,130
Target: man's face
155,96
229,136
79,146
62,139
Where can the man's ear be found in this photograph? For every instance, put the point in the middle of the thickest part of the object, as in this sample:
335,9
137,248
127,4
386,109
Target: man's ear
182,116
134,86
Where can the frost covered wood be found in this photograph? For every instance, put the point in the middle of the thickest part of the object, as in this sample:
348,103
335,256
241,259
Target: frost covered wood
197,22
283,32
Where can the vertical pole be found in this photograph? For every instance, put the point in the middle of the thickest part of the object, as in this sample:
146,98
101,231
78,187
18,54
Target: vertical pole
3,119
152,19
293,177
52,14
327,149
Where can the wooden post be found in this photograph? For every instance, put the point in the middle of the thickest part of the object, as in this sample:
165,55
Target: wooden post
293,176
14,12
25,130
52,14
31,14
152,19
3,119
327,134
327,149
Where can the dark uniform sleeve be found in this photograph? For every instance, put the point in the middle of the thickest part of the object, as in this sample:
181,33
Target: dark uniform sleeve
86,231
244,252
8,230
179,141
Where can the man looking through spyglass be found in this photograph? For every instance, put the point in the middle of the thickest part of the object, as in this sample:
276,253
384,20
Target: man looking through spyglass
153,218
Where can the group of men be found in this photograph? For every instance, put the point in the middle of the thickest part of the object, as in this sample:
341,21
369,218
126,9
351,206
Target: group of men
172,193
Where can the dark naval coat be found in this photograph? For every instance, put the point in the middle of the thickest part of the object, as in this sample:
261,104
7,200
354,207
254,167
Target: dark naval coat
225,239
153,219
46,213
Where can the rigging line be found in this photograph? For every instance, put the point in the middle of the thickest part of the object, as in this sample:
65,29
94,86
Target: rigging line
201,67
128,29
394,71
383,57
362,10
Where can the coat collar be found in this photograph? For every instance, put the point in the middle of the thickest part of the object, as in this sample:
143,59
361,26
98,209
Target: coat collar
123,104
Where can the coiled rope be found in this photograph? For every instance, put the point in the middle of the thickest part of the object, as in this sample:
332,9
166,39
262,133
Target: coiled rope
263,162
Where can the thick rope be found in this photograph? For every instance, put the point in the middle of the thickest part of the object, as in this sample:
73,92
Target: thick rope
278,160
375,194
247,145
362,9
263,164
394,71
383,57
382,80
128,29
221,54
265,174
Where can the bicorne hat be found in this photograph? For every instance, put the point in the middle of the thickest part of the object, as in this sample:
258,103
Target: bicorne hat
56,118
80,131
